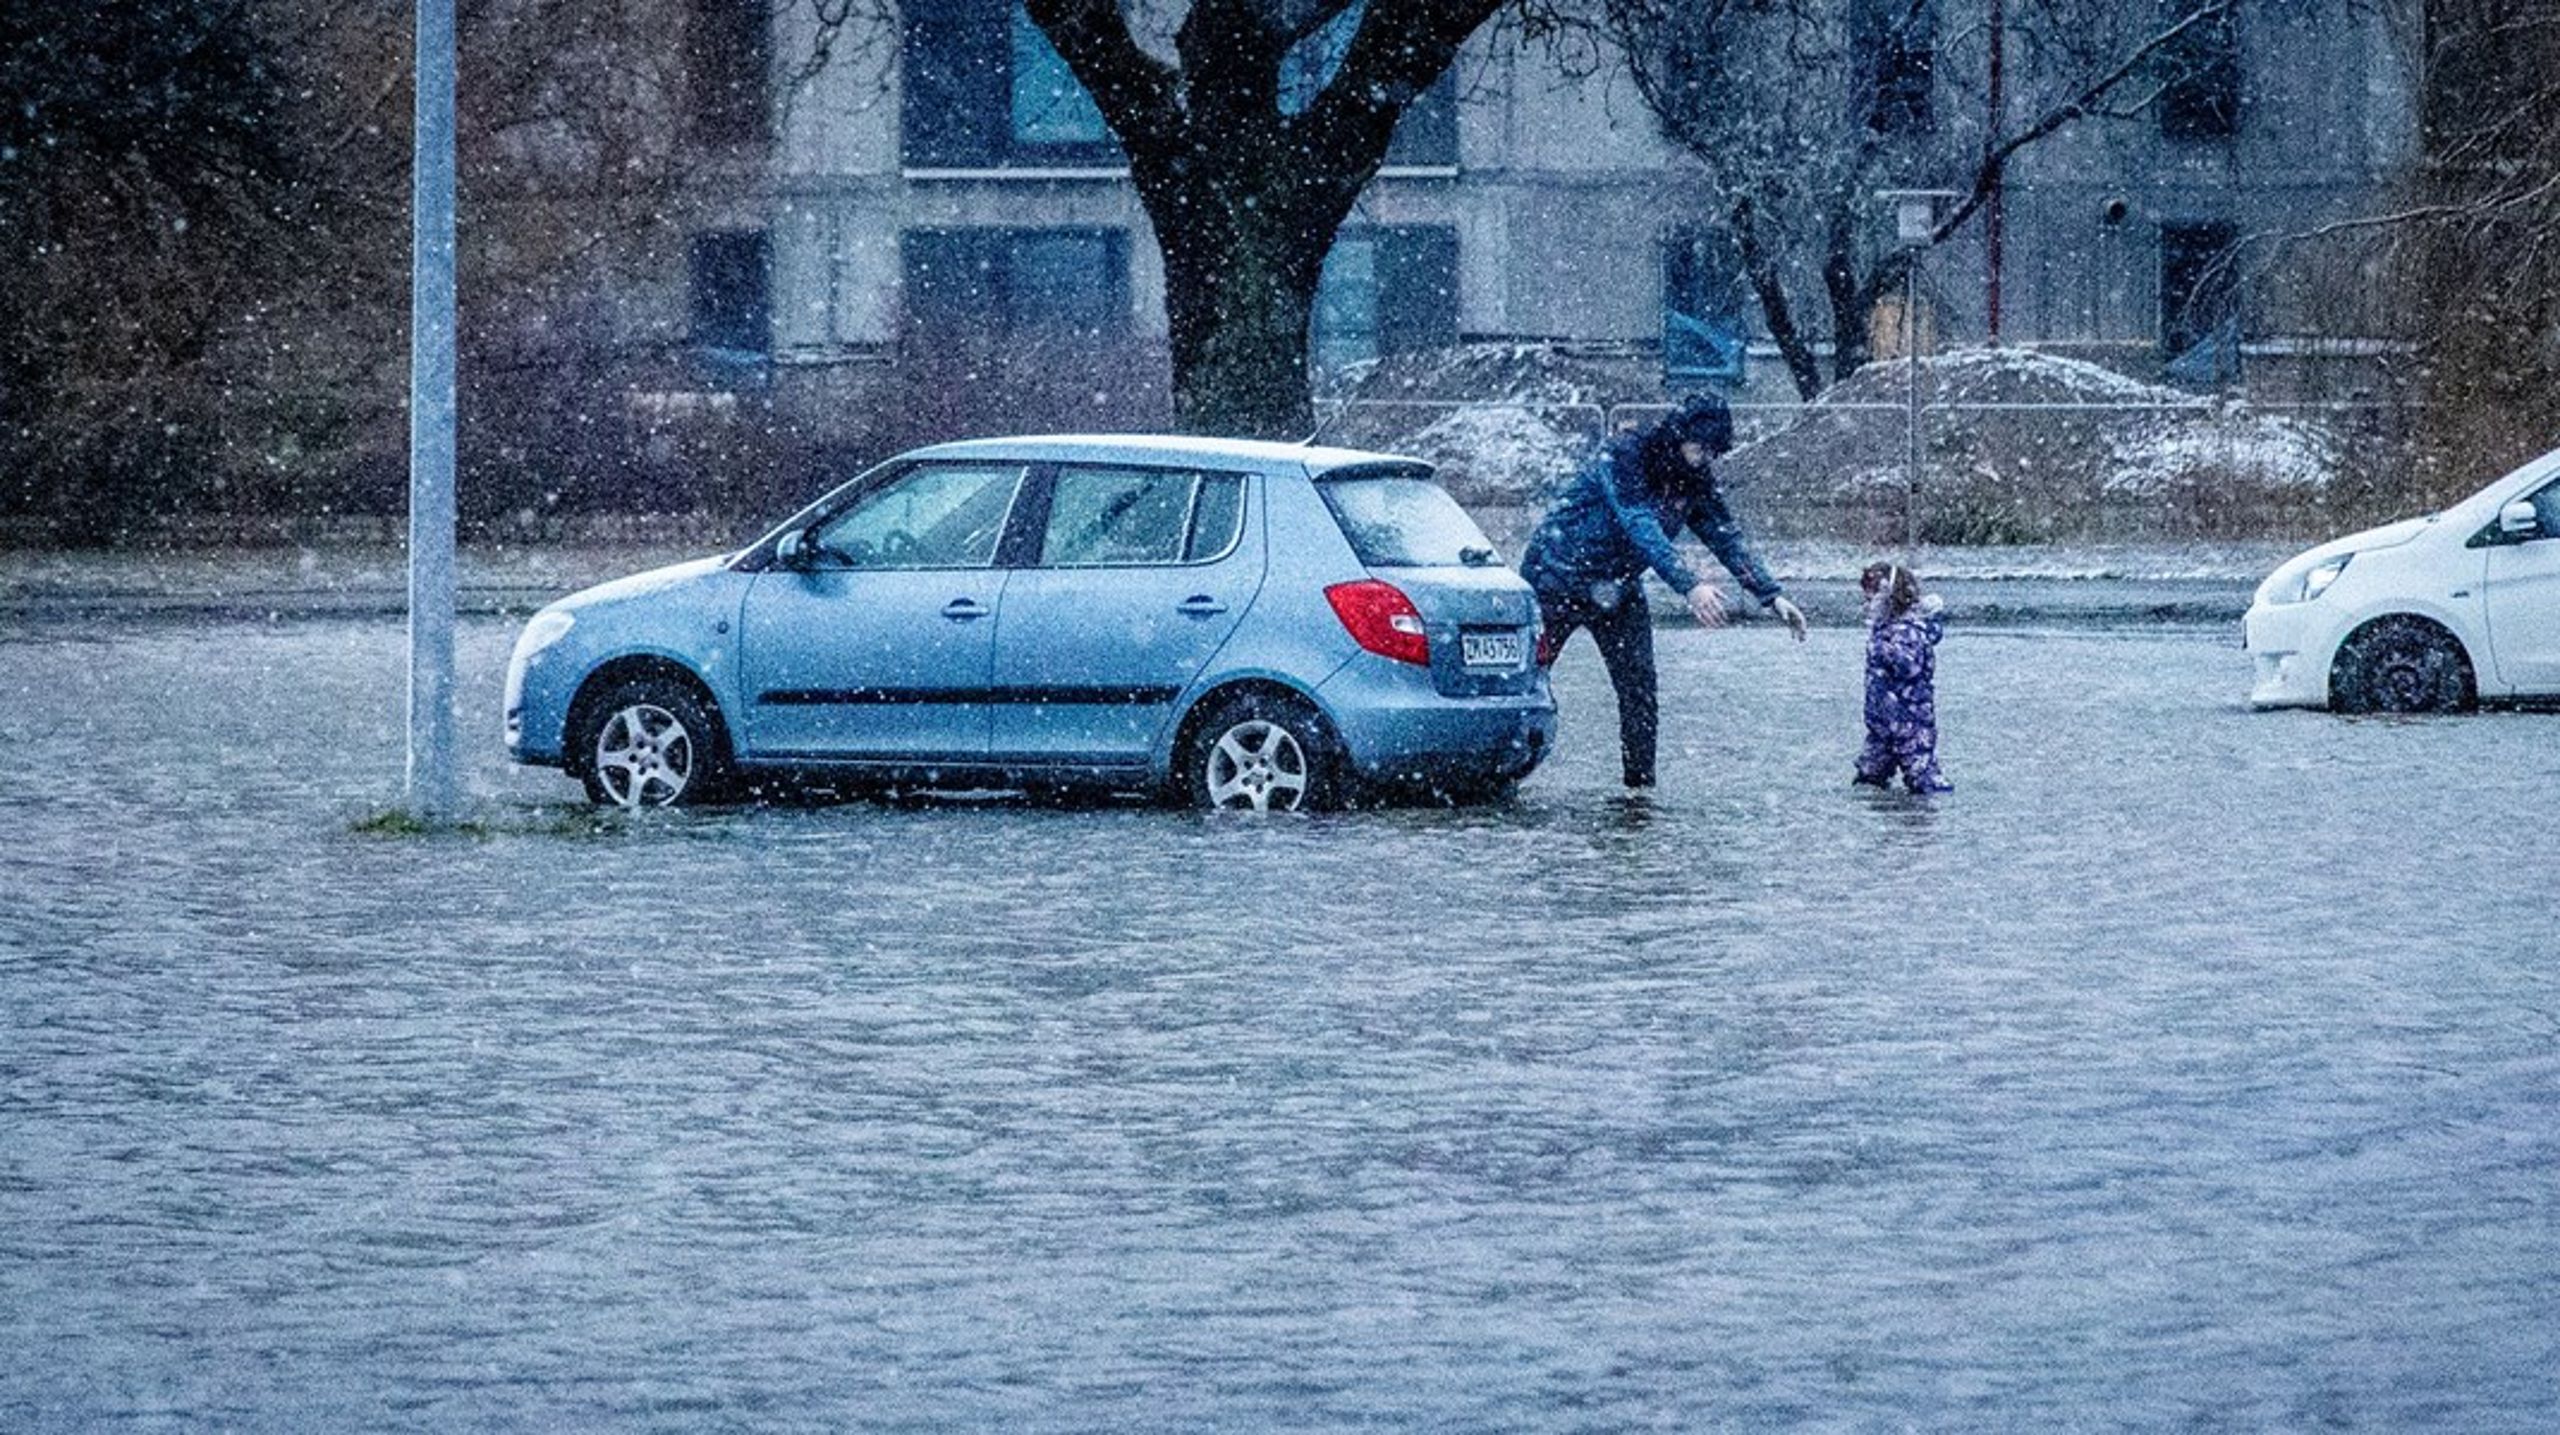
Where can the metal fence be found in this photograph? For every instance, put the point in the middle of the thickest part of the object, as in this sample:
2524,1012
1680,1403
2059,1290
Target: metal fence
1956,472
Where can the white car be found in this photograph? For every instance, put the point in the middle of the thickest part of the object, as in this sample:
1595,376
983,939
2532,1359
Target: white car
2425,615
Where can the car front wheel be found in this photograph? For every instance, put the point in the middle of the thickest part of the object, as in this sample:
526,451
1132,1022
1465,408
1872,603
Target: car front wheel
1263,753
650,743
2400,665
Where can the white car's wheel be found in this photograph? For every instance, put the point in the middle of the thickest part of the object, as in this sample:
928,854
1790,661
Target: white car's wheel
2400,665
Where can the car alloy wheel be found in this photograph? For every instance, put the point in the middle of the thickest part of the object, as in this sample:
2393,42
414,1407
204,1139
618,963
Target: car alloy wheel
1257,764
649,742
644,756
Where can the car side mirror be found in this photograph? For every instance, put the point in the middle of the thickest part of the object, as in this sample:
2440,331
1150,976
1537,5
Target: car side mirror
794,550
2520,519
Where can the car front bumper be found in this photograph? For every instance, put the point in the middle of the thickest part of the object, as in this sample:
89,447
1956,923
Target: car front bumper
2290,649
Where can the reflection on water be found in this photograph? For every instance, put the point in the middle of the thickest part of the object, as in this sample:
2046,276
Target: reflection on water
2185,1066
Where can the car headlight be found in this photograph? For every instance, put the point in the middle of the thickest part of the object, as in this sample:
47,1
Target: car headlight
2315,580
548,627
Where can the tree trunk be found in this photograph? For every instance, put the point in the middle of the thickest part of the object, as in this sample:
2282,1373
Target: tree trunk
1238,296
1852,303
1775,308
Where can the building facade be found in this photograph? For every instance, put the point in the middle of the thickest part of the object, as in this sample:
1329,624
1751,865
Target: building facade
945,182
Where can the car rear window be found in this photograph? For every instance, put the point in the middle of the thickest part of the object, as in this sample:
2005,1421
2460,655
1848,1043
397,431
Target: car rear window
1404,521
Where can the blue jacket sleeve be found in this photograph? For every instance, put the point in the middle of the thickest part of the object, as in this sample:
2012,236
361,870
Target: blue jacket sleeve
1622,485
1716,527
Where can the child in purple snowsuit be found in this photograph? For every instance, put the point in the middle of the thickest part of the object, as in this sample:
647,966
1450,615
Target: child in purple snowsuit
1902,670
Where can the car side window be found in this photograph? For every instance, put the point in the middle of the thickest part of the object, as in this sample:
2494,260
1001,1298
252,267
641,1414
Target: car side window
939,516
2546,504
1120,516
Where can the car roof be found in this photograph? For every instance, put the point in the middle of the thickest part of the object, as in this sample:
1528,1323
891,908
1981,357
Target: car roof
1164,448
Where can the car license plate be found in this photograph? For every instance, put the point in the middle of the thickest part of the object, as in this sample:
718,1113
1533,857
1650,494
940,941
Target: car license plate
1492,650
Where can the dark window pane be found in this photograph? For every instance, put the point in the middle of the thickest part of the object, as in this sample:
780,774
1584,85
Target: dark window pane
1385,290
727,51
1417,289
1426,134
2201,96
951,281
962,281
730,306
2546,503
1345,317
1706,306
1049,106
2200,302
1067,279
1218,518
952,71
1898,43
984,88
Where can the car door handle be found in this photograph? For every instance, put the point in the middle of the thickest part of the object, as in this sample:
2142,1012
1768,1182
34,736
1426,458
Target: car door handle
1200,605
961,609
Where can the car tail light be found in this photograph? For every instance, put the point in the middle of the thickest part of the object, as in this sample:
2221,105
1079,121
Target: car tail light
1382,619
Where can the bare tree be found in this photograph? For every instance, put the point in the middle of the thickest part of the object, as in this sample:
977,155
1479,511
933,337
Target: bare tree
2475,257
1800,110
1245,192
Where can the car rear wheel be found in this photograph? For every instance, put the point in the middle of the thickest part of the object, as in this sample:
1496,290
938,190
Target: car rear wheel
1260,752
2400,665
649,742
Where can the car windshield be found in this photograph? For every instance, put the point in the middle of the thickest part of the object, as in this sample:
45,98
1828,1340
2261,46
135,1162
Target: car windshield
1405,521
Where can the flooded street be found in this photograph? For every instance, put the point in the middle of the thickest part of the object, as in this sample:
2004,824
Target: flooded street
2187,1067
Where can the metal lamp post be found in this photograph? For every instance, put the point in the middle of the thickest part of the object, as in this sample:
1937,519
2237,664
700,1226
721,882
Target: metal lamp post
1915,226
433,789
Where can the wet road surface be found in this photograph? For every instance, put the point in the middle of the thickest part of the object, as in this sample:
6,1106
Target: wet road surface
2187,1067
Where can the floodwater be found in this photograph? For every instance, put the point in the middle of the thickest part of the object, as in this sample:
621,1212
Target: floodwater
2188,1067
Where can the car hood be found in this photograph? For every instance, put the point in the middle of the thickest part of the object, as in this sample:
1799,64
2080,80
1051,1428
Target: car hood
2389,535
654,581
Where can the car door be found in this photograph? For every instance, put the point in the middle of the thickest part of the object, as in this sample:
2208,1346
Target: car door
2522,593
878,640
1140,574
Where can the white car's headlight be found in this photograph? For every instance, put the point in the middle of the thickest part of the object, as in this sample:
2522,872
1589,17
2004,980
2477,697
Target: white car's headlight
548,627
2313,582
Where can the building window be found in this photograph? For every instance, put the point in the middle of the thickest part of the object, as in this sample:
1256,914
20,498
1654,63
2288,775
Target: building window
2200,303
726,54
1386,290
1706,307
1049,106
1064,282
2201,97
1898,40
1427,132
732,309
984,88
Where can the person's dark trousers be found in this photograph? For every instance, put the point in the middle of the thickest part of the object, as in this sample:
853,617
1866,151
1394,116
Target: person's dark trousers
1624,631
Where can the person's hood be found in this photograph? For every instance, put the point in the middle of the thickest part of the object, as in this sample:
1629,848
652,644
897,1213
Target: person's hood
1655,453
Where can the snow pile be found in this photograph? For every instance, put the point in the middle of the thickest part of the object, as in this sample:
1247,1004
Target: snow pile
1505,423
2014,376
1498,453
2268,452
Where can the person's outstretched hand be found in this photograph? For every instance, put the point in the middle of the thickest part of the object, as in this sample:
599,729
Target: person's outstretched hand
1789,614
1707,606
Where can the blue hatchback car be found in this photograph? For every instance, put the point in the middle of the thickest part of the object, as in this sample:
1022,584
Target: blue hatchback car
1232,624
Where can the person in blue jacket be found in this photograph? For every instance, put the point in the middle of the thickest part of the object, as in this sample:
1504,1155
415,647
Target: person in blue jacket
1615,523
